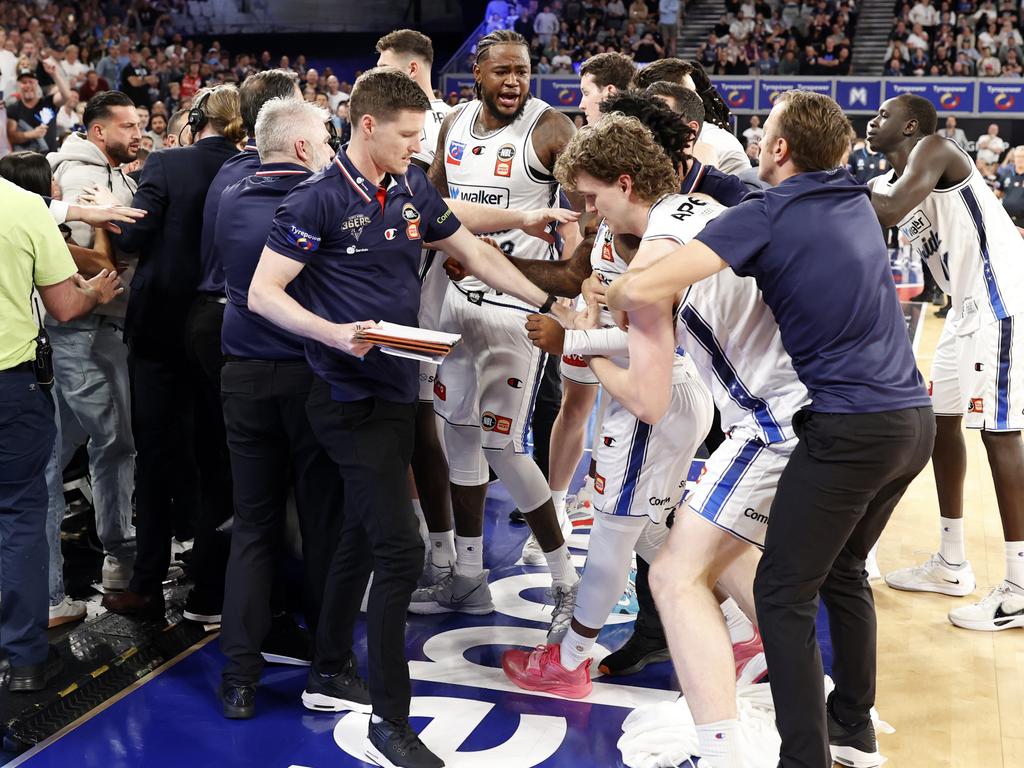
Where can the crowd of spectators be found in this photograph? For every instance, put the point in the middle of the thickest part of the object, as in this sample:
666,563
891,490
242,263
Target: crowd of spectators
564,33
960,38
55,57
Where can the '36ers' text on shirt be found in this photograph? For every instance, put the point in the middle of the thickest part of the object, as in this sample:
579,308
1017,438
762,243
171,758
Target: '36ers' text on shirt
360,245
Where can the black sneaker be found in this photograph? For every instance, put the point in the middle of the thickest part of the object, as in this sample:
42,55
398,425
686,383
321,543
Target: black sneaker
945,309
637,653
394,744
287,643
238,702
517,517
343,692
202,607
855,746
35,677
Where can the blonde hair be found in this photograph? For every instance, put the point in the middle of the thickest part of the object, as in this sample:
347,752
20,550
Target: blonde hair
615,146
222,108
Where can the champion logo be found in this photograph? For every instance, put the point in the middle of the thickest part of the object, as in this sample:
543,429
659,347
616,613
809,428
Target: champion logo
720,737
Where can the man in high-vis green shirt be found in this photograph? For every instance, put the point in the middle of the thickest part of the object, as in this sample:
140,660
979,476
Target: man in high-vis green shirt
32,254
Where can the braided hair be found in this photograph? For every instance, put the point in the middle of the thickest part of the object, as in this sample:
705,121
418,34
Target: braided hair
669,129
715,109
497,37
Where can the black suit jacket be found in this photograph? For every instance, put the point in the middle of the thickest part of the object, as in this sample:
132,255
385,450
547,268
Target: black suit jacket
173,191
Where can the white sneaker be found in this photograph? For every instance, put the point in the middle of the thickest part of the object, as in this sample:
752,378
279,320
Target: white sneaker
1002,608
116,574
936,575
65,612
432,574
582,504
564,598
532,553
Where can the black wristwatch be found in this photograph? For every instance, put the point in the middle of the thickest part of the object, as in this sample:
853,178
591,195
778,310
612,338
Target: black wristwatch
546,306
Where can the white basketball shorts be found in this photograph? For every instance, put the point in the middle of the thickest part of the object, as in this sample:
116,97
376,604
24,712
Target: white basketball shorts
980,374
434,287
641,469
490,379
736,489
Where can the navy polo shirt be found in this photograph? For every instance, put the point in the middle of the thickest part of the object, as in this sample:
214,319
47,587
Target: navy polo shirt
247,210
360,245
727,189
815,248
245,163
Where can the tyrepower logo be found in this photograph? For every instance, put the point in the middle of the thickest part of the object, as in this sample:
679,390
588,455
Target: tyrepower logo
494,196
599,482
977,405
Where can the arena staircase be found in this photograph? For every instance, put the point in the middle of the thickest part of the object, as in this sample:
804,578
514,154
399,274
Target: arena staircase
701,17
874,23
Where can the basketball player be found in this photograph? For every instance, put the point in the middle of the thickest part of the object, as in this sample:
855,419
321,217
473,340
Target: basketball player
731,157
942,204
601,76
866,433
413,53
496,150
642,465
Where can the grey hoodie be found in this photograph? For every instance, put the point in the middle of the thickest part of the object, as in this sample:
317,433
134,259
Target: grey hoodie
79,164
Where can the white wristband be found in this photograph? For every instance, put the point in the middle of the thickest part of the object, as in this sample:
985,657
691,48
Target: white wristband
605,342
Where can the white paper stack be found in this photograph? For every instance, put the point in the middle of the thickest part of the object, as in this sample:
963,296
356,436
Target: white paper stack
409,342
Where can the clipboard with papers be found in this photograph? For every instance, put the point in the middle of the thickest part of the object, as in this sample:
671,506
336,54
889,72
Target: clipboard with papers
410,342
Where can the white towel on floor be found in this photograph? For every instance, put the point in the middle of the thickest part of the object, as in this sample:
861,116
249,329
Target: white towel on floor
664,735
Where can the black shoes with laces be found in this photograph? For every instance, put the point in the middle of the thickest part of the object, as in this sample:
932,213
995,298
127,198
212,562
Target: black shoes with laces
343,692
394,744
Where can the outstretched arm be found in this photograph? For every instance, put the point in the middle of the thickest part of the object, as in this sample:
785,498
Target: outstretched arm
933,159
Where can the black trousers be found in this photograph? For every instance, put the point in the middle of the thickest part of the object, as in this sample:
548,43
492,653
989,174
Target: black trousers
273,449
371,443
836,495
203,345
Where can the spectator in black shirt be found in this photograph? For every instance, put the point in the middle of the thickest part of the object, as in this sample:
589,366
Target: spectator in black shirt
32,120
647,50
136,80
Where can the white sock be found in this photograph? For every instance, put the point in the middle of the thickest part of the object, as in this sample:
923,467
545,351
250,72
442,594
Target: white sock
561,567
469,560
719,741
442,548
424,531
741,629
575,648
1015,564
952,542
558,498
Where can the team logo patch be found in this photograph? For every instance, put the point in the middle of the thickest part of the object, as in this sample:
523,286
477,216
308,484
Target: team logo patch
455,150
514,383
390,234
608,440
574,360
503,165
412,217
599,483
354,225
440,392
606,251
302,240
494,423
977,405
478,150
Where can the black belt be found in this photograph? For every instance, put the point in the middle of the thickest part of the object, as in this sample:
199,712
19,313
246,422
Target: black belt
26,367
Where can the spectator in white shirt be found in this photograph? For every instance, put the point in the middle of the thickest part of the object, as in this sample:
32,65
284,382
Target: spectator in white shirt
988,65
546,26
951,131
754,133
990,146
8,67
73,68
740,29
334,94
924,13
68,118
562,62
918,38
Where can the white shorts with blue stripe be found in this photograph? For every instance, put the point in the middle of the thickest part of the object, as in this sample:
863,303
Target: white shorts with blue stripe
979,373
641,470
737,487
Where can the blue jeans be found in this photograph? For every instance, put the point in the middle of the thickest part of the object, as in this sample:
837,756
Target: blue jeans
27,434
90,363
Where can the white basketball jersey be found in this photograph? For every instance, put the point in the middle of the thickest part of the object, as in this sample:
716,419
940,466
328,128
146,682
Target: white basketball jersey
972,247
431,130
609,265
501,170
730,333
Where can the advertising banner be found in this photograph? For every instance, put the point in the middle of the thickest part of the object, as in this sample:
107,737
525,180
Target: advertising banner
947,95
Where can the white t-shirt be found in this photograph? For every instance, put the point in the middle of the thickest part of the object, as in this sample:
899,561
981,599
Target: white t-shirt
8,73
73,71
753,135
